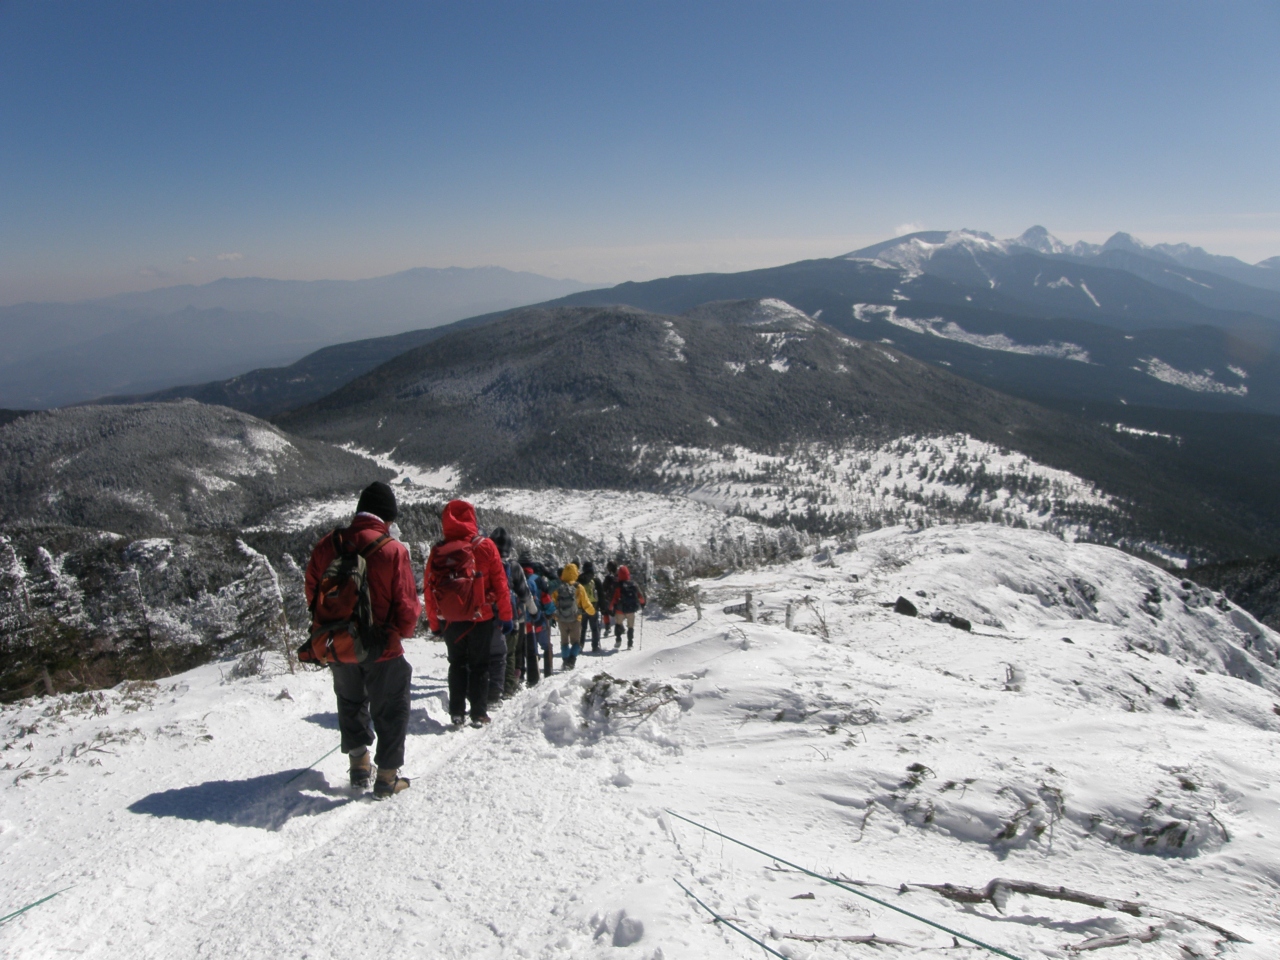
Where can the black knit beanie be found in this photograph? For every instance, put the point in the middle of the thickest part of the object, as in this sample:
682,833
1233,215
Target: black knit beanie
378,499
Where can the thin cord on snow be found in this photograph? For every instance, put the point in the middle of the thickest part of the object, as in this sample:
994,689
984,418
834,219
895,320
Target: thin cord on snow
310,765
10,916
720,919
837,883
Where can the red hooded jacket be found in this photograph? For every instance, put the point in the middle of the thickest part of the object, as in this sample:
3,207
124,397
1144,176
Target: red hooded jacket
393,596
624,575
459,522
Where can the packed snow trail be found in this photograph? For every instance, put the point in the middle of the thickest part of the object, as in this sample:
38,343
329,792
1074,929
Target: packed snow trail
1103,727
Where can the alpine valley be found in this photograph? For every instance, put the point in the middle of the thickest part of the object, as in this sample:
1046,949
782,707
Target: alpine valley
961,560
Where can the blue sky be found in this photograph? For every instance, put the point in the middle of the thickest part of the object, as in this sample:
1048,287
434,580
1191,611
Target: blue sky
146,144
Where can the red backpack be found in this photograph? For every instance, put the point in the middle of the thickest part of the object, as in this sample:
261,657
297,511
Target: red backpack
455,584
342,627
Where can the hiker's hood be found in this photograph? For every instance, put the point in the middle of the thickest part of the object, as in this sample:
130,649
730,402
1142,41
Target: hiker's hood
570,573
459,520
624,573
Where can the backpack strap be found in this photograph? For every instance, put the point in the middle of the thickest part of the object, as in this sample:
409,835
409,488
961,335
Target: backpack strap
374,547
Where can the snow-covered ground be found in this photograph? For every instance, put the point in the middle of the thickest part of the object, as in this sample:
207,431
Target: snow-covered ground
1103,727
606,515
727,492
912,478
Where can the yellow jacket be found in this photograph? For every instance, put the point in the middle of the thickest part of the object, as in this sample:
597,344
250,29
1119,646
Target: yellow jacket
570,575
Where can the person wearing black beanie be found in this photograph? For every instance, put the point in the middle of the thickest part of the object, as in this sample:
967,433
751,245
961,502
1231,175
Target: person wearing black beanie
372,680
380,500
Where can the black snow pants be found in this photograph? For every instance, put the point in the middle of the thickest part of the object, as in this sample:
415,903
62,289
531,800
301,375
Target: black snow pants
531,653
468,644
591,622
497,663
373,698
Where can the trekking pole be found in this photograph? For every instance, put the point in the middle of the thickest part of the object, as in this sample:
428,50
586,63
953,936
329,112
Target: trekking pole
642,628
310,765
17,913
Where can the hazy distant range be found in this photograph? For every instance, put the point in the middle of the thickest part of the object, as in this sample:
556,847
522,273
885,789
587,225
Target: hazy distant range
52,354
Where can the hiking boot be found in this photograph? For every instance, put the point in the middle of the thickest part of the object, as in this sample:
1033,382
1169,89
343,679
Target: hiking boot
480,721
361,770
617,643
630,644
388,784
458,721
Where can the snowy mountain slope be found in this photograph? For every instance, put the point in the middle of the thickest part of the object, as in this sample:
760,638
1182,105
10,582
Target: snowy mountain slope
912,479
1127,763
160,468
1014,318
1195,367
725,374
979,259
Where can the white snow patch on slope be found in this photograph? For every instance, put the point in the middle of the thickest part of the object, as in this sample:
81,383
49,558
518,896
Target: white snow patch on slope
916,478
1132,763
433,478
949,330
674,343
606,515
1199,382
1183,276
256,451
770,310
1089,293
1139,432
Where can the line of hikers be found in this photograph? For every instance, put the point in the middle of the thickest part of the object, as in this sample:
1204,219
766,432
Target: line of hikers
494,614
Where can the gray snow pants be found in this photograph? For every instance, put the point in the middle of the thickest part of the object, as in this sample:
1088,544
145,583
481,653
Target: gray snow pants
373,698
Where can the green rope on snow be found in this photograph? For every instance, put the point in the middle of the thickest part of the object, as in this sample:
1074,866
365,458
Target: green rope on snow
855,892
310,765
10,916
720,919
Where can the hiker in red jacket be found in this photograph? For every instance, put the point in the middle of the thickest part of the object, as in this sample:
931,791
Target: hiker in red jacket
467,596
627,601
373,696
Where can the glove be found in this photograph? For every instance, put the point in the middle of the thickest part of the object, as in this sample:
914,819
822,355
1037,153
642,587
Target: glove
508,626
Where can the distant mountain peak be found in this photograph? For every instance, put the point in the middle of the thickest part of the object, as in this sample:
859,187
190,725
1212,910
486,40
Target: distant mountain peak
1124,241
1041,240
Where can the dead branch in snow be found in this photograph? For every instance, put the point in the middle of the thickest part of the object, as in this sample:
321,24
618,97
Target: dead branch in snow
997,894
1119,940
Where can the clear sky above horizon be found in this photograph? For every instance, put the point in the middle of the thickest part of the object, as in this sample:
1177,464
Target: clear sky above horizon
148,144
